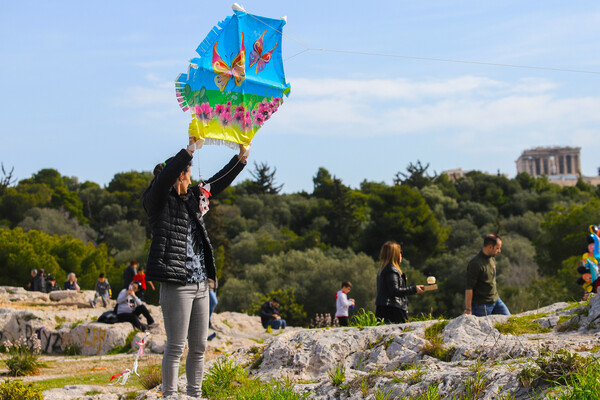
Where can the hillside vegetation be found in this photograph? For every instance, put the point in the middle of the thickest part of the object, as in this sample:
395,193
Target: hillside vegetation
302,245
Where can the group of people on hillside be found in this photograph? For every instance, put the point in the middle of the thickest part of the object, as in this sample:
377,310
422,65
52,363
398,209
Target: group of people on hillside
40,282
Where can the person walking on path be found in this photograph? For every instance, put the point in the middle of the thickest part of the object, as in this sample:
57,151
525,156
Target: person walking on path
481,295
391,303
181,259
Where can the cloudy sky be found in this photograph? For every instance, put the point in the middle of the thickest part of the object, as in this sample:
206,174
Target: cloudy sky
87,87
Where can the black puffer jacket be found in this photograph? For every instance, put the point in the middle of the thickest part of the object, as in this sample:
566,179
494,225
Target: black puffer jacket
169,213
392,289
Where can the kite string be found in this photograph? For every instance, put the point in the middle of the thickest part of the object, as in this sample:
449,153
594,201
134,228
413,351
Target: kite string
308,48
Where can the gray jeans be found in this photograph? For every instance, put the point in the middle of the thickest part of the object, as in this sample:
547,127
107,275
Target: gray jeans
185,312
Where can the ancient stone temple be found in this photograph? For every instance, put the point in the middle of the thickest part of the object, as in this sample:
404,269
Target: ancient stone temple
551,161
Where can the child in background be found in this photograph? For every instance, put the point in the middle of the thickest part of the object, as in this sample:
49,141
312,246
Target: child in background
141,278
342,303
102,290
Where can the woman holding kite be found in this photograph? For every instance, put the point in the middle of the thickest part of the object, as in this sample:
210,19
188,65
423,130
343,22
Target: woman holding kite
181,258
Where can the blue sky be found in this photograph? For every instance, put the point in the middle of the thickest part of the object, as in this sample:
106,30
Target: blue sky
87,87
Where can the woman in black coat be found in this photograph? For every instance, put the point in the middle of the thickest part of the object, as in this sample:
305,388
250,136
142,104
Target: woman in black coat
391,303
181,258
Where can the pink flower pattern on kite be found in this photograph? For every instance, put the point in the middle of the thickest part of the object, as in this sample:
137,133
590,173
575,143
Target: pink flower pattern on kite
245,118
204,112
219,108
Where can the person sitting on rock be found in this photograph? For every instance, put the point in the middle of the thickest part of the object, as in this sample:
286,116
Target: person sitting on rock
269,315
102,291
51,285
130,307
71,283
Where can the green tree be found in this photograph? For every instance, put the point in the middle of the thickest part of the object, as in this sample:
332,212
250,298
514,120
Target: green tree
314,275
563,234
56,222
416,176
264,180
400,213
344,210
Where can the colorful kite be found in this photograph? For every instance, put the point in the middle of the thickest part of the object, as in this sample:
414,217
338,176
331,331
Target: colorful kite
232,94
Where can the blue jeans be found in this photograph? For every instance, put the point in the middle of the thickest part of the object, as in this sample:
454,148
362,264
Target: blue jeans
498,307
276,323
212,302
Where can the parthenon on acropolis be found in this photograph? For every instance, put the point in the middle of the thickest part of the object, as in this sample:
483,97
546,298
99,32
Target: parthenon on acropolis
551,161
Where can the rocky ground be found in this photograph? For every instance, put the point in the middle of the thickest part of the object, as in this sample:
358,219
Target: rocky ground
395,360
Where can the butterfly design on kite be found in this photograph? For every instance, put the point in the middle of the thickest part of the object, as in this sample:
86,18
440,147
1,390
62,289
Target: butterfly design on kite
224,72
257,56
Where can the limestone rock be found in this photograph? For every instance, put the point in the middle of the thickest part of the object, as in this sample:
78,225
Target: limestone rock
96,338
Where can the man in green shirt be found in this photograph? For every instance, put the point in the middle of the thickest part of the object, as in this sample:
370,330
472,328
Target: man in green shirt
481,296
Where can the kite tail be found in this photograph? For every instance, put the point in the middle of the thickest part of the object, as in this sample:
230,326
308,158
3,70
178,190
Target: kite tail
210,39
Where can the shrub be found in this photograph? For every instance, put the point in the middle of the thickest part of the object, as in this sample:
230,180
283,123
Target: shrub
337,375
21,359
365,318
11,390
222,378
151,376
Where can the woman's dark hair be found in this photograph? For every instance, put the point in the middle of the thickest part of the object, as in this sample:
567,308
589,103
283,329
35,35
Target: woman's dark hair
157,170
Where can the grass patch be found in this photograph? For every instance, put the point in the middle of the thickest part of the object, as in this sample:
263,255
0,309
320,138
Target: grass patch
365,318
556,368
257,357
78,322
431,393
337,375
227,380
435,348
59,322
75,379
584,383
521,325
568,323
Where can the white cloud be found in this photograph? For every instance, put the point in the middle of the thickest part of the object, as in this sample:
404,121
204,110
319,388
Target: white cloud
459,109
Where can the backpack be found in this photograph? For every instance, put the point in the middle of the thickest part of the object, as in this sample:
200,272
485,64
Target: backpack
108,317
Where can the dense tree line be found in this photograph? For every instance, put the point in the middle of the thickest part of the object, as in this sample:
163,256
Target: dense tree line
304,244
